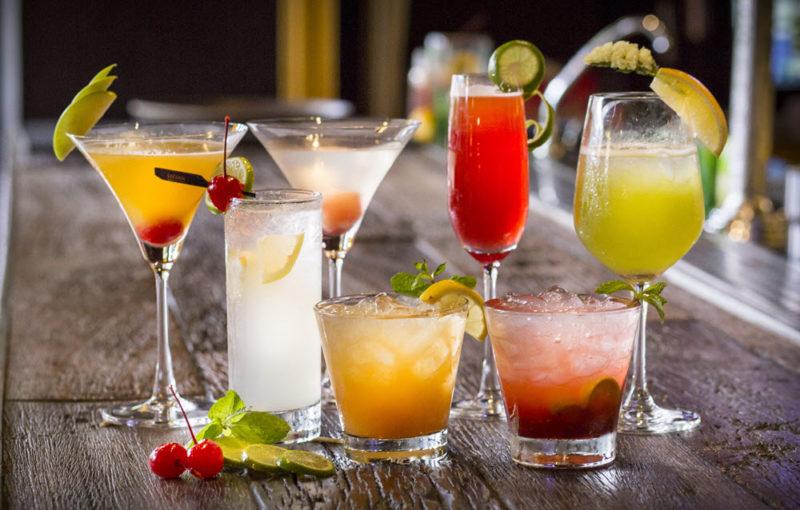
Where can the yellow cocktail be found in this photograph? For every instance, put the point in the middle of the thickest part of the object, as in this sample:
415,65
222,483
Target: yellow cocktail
159,211
393,364
639,209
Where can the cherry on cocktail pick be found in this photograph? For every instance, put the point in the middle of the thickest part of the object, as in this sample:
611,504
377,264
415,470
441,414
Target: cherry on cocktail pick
224,188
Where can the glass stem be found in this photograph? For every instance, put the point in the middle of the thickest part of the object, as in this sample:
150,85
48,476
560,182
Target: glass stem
490,385
335,264
638,396
164,375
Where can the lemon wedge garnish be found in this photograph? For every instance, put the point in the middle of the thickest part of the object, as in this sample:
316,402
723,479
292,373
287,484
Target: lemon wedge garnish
443,292
277,254
694,104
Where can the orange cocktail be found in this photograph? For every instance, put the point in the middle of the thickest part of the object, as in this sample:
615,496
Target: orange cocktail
393,363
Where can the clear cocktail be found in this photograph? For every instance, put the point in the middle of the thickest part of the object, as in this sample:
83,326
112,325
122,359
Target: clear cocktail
562,361
274,274
393,363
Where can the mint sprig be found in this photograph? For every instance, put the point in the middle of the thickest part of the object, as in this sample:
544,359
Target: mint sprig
650,294
414,284
230,417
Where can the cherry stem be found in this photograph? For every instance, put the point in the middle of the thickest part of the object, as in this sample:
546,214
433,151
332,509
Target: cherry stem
172,390
225,147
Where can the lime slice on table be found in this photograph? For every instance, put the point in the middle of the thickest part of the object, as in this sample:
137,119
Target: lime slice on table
446,291
78,119
302,462
232,450
263,457
239,168
694,104
517,65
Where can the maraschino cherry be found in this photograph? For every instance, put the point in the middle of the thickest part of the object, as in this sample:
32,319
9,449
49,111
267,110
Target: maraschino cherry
170,460
224,188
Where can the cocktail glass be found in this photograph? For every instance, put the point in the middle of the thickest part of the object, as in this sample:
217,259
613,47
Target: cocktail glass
638,210
562,361
274,279
345,160
393,363
159,212
487,175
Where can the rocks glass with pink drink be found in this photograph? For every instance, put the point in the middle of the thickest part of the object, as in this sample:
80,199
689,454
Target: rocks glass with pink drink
562,359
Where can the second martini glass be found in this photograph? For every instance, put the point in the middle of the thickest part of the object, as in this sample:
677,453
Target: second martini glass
159,212
345,160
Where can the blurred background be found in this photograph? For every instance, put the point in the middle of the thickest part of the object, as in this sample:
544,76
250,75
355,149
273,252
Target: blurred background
187,59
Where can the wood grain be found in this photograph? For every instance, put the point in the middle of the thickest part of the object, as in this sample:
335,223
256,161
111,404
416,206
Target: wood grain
81,336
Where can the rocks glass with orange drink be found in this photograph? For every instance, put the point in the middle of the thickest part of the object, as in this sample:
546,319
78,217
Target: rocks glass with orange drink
393,363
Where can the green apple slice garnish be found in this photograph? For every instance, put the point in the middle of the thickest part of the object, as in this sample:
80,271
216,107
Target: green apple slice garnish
78,119
86,109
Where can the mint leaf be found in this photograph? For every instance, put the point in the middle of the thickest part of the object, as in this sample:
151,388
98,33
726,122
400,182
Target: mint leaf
415,284
656,302
260,427
225,406
613,286
467,281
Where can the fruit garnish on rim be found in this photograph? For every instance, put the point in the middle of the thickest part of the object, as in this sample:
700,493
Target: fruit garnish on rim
84,111
685,94
519,65
424,286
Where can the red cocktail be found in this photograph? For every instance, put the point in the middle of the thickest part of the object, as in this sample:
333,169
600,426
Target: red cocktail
487,174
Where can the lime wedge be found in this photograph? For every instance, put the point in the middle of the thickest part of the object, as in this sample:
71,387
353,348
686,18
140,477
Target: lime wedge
232,450
302,462
241,169
444,291
517,65
79,117
278,253
263,457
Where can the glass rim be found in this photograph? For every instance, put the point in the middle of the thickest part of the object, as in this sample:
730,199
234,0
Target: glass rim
458,307
278,196
633,95
632,306
484,79
322,122
98,132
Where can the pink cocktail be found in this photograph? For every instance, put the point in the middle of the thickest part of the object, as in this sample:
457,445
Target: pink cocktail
562,359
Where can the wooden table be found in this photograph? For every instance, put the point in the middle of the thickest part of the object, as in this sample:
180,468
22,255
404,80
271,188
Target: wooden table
81,315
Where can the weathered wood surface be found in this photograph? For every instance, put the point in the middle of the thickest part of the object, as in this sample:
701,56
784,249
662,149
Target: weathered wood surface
81,315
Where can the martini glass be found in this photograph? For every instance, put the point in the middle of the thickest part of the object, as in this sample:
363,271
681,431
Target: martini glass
345,160
159,212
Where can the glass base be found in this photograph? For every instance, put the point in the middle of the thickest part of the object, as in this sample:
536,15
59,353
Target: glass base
563,453
153,413
305,423
402,451
484,406
647,418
